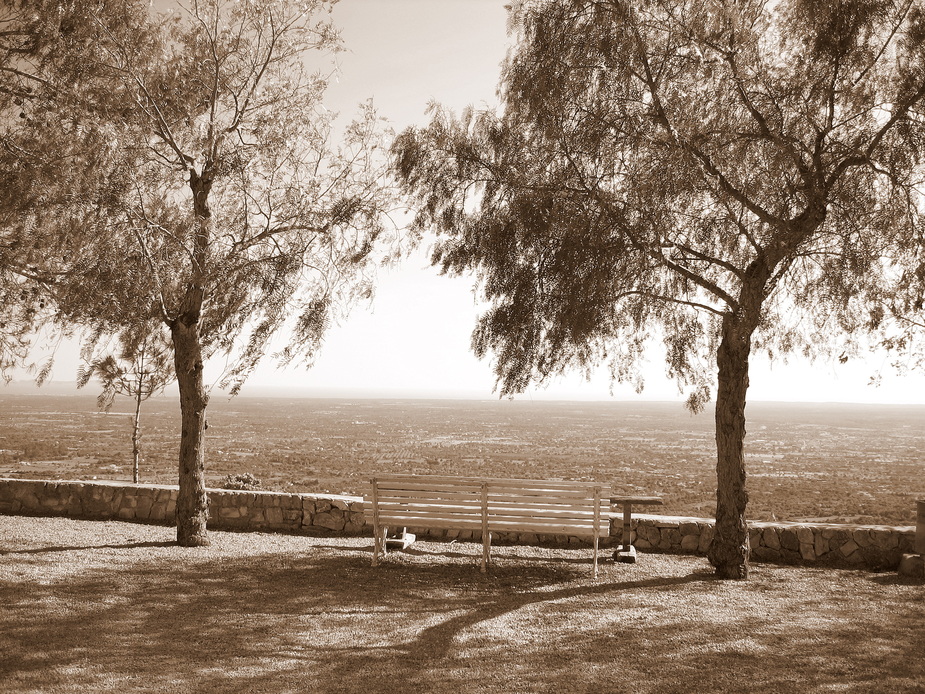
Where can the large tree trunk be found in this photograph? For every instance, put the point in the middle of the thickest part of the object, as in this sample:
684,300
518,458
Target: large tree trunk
192,503
729,550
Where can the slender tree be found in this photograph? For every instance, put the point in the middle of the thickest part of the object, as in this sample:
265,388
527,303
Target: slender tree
218,203
728,176
142,367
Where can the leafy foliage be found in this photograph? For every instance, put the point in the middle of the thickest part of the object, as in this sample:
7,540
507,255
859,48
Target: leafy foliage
726,176
193,180
142,367
243,481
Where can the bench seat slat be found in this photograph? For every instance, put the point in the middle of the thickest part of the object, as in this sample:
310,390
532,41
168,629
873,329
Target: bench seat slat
492,497
416,521
550,526
397,481
525,495
523,516
542,500
415,494
537,502
493,511
508,511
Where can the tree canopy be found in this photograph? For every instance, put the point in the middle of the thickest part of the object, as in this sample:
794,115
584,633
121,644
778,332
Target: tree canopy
727,176
43,51
204,185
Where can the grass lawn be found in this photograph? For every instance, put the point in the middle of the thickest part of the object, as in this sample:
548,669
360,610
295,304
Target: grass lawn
102,606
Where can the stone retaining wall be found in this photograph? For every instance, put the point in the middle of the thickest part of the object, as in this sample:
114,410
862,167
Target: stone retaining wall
311,514
872,547
876,547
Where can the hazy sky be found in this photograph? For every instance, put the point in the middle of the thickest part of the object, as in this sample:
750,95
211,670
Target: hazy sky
414,339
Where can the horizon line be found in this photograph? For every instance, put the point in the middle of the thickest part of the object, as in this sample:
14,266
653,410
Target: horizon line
58,388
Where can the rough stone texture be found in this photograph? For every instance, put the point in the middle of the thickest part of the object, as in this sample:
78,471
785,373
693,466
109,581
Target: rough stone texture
874,547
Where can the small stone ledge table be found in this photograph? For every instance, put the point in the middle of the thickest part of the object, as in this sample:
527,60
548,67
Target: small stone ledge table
626,553
914,564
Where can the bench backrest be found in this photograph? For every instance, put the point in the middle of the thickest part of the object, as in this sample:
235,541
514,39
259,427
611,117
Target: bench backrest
495,505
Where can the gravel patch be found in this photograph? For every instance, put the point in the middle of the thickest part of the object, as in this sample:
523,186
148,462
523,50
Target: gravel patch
108,606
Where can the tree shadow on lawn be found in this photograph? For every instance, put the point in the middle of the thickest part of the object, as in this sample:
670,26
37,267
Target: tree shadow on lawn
82,548
325,620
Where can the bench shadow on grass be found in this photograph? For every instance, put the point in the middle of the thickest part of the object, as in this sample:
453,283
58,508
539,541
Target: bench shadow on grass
321,620
324,615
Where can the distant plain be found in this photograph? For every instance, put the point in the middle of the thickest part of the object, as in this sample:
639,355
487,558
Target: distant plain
826,462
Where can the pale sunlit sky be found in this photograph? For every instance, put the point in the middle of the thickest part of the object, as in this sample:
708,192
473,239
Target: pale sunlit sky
414,339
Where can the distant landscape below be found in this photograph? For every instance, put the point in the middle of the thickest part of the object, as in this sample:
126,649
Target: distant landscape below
811,462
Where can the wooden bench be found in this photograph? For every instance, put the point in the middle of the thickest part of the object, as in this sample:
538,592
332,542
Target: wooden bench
487,506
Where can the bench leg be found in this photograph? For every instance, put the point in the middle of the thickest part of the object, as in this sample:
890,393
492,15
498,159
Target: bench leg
594,570
486,549
379,543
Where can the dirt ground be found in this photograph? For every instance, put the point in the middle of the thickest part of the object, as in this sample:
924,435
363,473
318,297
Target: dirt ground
105,607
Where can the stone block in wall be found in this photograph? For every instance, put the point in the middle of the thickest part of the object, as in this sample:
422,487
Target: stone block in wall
689,528
322,506
856,558
770,539
98,501
690,543
274,516
849,548
862,537
670,538
225,512
884,539
355,523
805,535
649,533
706,538
789,540
333,519
820,545
118,497
839,539
808,550
665,522
754,537
143,509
